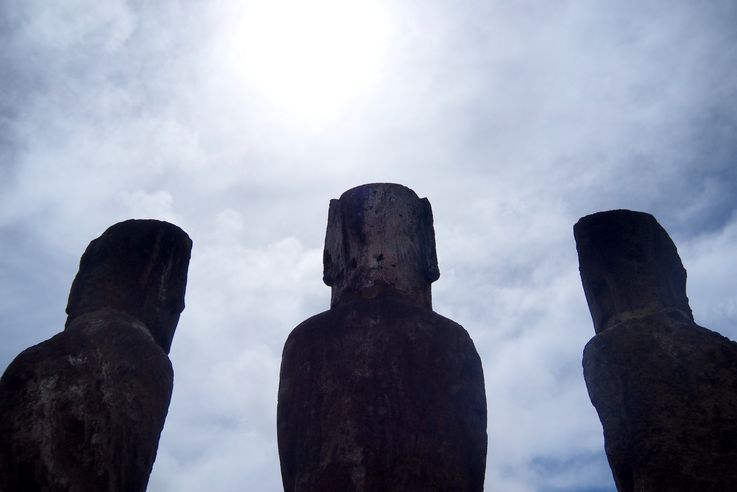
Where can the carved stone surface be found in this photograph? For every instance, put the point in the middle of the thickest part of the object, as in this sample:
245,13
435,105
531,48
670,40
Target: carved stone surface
138,267
380,238
380,393
83,411
629,267
665,388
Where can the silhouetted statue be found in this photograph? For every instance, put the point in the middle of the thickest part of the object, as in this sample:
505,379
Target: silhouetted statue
380,393
665,388
83,411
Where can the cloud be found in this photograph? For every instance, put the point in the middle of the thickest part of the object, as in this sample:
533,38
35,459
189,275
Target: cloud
513,118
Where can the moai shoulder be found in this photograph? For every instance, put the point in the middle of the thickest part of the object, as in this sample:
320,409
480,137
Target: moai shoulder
380,393
83,411
664,387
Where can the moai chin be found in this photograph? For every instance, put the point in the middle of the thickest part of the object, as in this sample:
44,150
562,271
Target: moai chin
83,411
380,393
664,387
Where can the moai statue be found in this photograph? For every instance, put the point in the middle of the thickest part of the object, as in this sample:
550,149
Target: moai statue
665,388
83,411
380,393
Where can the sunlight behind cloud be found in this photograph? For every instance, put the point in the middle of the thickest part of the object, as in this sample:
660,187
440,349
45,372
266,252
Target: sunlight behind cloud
239,120
310,59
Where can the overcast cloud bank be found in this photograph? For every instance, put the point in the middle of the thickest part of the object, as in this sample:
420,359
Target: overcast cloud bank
513,118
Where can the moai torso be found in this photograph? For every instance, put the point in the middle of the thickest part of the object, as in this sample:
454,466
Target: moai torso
83,411
665,388
380,393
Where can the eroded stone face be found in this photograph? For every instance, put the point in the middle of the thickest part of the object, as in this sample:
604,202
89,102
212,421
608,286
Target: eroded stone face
138,267
665,388
83,411
381,394
629,267
380,238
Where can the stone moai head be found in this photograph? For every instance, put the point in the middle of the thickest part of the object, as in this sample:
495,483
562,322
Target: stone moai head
629,267
380,240
138,267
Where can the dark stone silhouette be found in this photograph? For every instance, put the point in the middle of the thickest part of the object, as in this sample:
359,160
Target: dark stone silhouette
83,411
665,388
380,393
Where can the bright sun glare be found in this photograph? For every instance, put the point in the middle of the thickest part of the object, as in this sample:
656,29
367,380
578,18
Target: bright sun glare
312,58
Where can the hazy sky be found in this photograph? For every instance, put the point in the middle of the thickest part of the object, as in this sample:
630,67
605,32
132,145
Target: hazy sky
239,121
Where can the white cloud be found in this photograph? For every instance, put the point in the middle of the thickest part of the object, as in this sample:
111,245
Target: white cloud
513,118
711,288
157,205
77,24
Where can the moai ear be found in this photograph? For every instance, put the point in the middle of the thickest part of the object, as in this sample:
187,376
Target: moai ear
333,260
429,255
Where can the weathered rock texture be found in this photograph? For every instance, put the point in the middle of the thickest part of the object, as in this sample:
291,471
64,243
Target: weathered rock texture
380,393
83,411
665,388
380,238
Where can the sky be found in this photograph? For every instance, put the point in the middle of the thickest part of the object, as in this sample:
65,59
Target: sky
240,120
